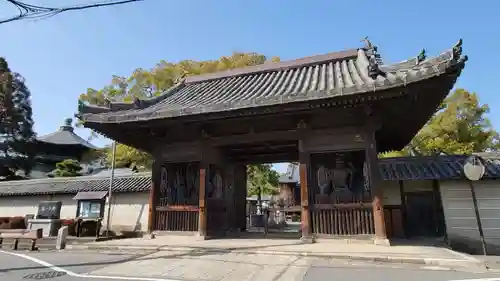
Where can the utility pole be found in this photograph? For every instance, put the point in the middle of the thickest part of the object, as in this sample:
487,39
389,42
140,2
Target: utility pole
110,190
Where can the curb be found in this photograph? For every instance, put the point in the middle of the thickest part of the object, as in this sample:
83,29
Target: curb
387,259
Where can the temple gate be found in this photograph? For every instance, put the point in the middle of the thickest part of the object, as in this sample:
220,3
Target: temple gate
332,113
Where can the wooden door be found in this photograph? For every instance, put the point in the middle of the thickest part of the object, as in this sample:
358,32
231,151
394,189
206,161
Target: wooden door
421,214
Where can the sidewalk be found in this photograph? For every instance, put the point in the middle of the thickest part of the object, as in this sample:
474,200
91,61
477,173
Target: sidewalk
339,249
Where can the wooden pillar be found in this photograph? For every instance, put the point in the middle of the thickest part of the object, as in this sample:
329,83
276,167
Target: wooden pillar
305,216
376,186
202,220
240,195
153,194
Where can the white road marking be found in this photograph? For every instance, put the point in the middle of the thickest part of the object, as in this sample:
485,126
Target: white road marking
479,279
78,275
436,268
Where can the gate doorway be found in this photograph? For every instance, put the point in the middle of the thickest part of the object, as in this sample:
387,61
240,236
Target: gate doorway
422,214
275,215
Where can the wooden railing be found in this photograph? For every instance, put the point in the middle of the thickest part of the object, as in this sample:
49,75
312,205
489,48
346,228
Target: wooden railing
177,218
342,219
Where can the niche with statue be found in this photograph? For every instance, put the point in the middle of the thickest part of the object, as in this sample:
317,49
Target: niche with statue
340,178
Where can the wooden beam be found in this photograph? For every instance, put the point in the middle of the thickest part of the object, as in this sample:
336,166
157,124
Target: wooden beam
254,138
263,158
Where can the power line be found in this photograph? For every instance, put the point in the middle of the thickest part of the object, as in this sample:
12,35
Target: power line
29,11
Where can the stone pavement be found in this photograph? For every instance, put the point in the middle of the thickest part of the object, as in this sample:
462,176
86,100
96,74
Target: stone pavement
340,249
185,265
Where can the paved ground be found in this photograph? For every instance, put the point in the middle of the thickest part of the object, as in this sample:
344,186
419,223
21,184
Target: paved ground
422,252
172,266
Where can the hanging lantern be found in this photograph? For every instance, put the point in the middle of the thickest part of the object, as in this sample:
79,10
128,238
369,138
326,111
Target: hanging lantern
473,168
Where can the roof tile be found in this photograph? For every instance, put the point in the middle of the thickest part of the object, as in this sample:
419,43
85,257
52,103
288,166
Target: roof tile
319,77
136,183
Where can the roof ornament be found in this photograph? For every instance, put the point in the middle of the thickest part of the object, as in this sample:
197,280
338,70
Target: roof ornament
372,51
368,44
179,79
421,57
137,103
373,68
457,50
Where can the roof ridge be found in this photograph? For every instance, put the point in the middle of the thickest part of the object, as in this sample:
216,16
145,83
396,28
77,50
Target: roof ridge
273,66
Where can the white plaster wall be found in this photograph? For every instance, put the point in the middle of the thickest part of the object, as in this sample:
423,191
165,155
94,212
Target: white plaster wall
19,205
391,193
129,211
461,223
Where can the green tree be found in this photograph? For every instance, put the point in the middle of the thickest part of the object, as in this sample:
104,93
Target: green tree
127,157
150,83
67,168
262,177
458,127
16,126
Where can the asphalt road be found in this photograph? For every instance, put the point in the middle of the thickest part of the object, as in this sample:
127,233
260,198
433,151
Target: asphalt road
19,268
77,264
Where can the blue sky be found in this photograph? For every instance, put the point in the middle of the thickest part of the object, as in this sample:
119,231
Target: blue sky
62,56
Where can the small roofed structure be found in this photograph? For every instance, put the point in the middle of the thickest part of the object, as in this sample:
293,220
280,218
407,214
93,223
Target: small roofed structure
332,113
58,146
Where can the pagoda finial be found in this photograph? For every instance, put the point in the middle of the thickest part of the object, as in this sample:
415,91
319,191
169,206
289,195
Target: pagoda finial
68,122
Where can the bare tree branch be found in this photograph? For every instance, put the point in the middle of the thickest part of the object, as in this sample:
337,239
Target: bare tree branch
28,11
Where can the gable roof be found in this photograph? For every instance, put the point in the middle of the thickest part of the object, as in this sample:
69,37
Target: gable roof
327,76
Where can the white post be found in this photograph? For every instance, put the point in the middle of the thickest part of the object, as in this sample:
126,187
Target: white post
62,235
113,155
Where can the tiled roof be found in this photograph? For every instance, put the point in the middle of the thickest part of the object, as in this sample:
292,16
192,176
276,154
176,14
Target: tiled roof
428,168
65,135
314,78
438,167
136,183
399,168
